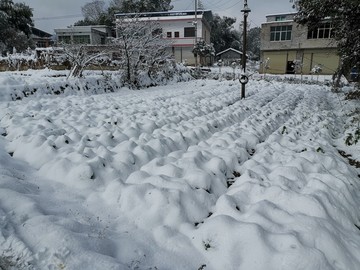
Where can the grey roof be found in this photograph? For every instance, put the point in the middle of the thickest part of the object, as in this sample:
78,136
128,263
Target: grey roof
229,49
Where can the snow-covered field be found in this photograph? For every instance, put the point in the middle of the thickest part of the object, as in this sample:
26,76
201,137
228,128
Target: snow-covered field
184,176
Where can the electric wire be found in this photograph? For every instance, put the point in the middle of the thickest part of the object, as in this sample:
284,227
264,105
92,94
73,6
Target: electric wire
58,17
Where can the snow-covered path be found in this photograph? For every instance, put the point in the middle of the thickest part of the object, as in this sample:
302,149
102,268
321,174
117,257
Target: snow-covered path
186,176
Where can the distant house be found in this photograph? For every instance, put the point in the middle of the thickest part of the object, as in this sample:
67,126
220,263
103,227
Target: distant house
287,47
41,38
179,27
229,56
90,34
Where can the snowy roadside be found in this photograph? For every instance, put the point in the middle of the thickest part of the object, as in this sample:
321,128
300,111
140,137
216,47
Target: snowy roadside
185,176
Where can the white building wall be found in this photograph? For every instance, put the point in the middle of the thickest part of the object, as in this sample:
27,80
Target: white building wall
181,47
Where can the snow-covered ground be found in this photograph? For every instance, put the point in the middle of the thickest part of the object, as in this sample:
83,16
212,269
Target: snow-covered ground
184,176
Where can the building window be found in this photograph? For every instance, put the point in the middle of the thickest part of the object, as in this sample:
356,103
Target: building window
280,33
189,32
81,39
323,31
177,34
168,34
280,18
41,44
64,39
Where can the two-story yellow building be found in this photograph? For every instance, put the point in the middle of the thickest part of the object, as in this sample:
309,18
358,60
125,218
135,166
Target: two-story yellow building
288,48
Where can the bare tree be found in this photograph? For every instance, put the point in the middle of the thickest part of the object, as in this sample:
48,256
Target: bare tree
93,11
80,56
141,45
136,6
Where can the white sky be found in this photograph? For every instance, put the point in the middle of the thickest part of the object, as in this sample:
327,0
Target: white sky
49,14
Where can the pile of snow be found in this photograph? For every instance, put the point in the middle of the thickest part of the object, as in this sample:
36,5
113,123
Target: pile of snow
185,176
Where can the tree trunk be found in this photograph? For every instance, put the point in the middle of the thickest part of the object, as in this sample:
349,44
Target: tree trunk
337,77
357,84
128,66
76,71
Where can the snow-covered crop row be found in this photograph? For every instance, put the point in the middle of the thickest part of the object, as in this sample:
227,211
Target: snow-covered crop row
185,176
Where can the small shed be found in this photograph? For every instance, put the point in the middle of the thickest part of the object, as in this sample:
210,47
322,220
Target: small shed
229,56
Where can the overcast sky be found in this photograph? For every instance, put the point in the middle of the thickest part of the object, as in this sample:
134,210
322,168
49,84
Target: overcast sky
52,14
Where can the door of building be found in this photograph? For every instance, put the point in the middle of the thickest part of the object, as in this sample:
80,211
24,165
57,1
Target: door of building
290,67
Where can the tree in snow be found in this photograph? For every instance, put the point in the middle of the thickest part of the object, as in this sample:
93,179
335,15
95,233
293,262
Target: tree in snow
15,26
95,13
141,46
204,50
223,34
253,42
344,17
80,56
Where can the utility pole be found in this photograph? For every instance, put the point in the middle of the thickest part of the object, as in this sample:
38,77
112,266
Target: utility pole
196,26
244,79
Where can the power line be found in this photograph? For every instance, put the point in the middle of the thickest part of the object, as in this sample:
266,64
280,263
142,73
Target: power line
58,17
216,5
220,6
232,6
251,21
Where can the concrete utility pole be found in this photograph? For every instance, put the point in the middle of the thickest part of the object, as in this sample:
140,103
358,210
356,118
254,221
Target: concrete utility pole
244,79
196,26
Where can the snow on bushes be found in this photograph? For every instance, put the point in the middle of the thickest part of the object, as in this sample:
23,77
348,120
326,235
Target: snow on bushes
17,85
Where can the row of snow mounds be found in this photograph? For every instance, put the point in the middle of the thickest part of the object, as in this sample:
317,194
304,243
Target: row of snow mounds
295,205
113,134
86,142
194,172
207,166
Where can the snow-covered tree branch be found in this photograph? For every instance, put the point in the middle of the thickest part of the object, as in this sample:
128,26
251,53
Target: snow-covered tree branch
141,45
80,56
202,49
